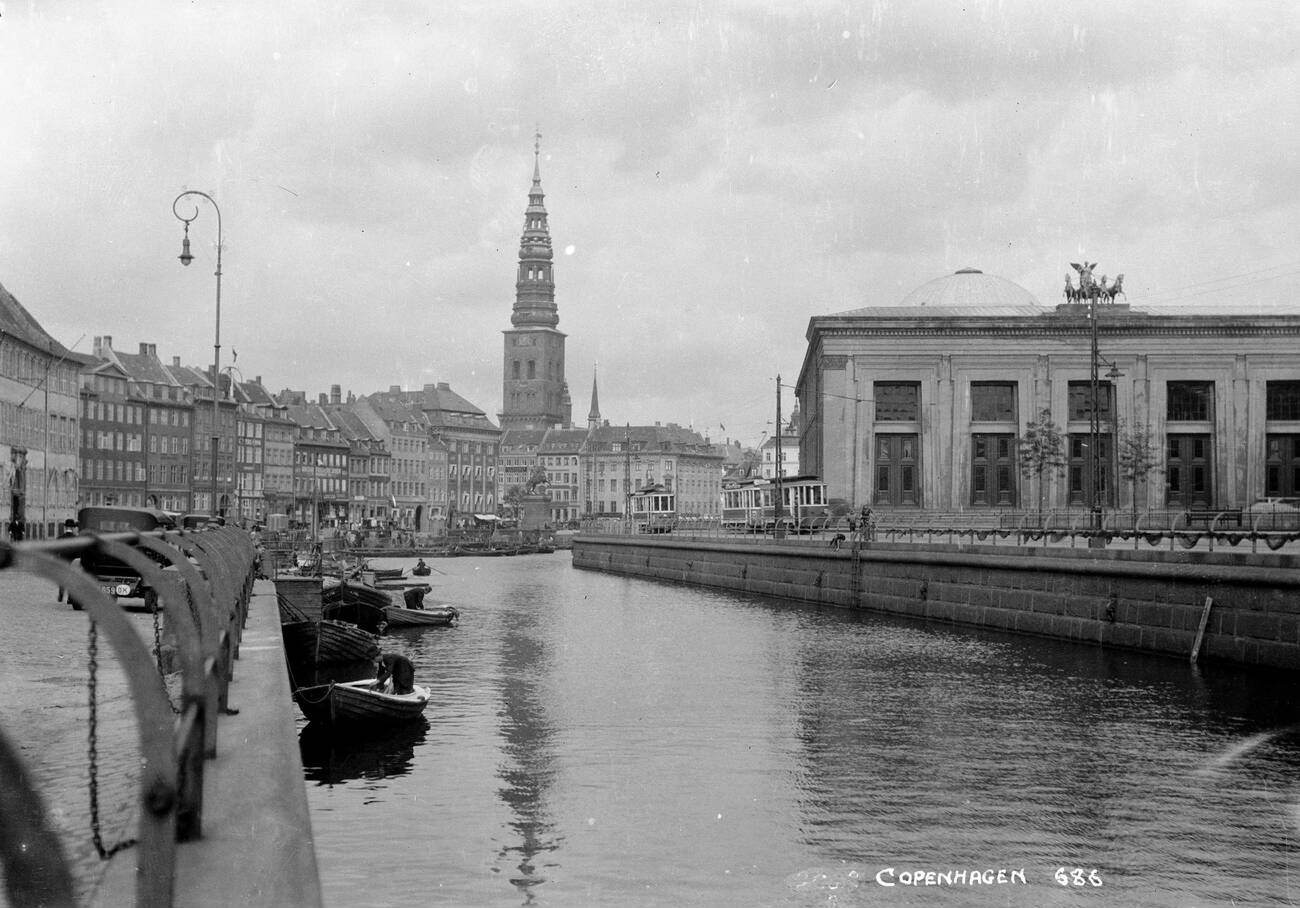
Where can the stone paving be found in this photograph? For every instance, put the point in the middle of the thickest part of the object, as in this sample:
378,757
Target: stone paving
44,714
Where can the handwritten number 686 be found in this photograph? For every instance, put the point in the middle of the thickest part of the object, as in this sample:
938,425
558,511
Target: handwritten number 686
1077,876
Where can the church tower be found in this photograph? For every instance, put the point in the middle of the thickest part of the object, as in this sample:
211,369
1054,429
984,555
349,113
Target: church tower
534,391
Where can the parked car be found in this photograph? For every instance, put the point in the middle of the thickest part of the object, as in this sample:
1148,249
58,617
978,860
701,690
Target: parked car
119,580
200,521
1275,514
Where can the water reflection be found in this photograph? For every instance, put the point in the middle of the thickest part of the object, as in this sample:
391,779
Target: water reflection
528,767
331,756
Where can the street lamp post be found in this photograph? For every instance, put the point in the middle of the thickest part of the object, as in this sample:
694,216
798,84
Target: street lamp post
186,258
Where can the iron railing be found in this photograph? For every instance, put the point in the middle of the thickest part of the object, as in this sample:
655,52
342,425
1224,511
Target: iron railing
1171,529
204,582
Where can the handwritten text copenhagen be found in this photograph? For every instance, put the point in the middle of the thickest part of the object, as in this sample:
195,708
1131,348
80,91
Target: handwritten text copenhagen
973,877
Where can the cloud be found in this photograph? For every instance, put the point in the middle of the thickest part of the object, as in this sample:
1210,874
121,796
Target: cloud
724,171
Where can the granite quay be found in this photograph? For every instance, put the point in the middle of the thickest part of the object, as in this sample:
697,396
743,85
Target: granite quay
152,795
1224,605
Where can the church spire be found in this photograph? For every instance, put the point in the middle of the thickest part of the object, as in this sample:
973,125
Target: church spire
535,284
593,417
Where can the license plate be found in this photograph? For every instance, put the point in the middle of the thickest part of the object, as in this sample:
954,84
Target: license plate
117,589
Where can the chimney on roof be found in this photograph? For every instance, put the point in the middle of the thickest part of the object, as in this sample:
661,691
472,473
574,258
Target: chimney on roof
176,361
336,394
428,387
394,389
108,342
443,386
257,379
352,398
323,399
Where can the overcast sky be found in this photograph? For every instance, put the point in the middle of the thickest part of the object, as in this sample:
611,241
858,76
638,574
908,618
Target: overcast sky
716,173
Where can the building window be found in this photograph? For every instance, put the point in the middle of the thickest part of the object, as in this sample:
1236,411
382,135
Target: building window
993,470
1283,400
898,476
514,369
898,401
1282,466
1082,472
1188,471
1081,401
532,368
1190,401
992,401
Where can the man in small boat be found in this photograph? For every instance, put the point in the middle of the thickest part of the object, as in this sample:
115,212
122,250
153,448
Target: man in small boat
395,675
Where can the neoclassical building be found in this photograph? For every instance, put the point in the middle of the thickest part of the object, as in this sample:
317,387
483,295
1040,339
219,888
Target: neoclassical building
923,405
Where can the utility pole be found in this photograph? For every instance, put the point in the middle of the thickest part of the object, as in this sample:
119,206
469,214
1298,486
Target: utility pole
627,476
776,488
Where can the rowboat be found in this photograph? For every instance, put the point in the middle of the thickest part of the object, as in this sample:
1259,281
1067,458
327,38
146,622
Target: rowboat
317,642
442,616
356,702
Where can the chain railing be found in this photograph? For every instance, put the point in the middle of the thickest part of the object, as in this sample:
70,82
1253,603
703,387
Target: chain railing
1170,529
204,582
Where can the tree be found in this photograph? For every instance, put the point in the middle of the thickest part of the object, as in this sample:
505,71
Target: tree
514,497
1138,457
1042,450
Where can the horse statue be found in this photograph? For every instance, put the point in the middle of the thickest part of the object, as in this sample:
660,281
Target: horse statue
1116,289
1071,294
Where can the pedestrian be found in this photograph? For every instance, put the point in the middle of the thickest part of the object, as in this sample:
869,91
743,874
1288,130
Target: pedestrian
69,531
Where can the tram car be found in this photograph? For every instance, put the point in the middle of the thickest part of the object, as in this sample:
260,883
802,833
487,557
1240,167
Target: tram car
654,509
748,504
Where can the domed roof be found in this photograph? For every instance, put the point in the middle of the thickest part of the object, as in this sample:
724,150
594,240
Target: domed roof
970,288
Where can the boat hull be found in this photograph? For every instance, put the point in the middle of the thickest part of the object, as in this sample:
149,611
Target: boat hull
343,642
326,641
414,617
353,702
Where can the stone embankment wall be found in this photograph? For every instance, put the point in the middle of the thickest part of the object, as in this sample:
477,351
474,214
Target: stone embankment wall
1151,601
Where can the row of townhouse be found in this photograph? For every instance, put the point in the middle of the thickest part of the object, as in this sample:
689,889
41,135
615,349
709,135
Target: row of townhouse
592,471
38,426
127,429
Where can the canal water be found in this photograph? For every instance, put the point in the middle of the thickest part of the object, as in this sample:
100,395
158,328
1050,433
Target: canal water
599,740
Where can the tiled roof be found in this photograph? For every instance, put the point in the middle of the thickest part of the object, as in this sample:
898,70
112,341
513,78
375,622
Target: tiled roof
143,367
17,321
514,438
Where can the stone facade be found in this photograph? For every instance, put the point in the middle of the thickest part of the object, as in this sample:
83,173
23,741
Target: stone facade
1152,601
922,407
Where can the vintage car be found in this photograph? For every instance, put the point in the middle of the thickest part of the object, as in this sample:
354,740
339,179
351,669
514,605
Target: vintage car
119,580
